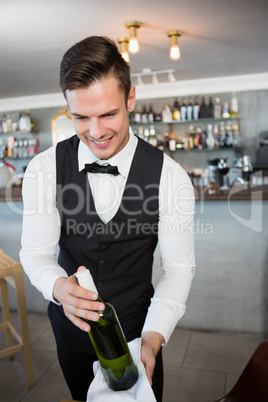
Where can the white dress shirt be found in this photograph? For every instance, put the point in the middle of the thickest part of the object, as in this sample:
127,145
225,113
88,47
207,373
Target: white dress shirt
41,227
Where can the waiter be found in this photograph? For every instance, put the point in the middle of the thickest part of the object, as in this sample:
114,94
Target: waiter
103,199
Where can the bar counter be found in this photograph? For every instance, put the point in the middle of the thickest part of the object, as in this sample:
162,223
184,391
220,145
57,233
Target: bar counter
235,193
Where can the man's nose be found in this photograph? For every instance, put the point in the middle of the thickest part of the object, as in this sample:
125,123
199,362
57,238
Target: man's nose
96,129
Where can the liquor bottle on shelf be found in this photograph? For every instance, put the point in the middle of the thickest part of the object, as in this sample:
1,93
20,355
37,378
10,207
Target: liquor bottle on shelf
151,114
228,135
198,138
160,142
210,108
144,115
216,136
167,114
189,110
225,110
146,134
157,117
196,109
176,113
183,110
25,122
222,134
108,340
236,134
204,136
152,136
217,108
234,106
172,142
203,109
210,139
138,115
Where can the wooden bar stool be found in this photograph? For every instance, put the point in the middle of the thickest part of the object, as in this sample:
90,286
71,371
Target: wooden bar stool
11,273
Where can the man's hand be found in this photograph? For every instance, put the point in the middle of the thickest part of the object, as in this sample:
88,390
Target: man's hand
150,346
77,302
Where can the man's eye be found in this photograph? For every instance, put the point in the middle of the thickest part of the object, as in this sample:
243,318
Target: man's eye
80,117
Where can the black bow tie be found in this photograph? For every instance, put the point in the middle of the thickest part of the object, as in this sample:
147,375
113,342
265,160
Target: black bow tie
96,168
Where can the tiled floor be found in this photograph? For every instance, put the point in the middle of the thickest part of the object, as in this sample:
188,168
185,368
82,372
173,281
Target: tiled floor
199,366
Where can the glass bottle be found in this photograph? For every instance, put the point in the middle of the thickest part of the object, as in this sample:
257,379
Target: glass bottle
210,108
176,111
109,342
138,115
144,115
225,110
196,109
203,109
151,114
183,110
222,134
190,110
210,139
217,108
234,106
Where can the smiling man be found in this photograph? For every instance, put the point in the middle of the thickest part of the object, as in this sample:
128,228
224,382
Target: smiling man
104,198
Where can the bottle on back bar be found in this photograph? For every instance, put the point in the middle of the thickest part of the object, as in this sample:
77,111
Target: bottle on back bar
109,342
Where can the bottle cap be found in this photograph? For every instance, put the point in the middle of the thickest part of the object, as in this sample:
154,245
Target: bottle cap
85,280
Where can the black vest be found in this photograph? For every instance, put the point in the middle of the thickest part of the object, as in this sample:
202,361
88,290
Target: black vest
118,254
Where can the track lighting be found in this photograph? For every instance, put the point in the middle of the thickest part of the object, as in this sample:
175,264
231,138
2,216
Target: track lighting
154,74
175,53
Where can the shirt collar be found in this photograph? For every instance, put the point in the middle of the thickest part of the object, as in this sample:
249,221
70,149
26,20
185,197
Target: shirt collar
122,160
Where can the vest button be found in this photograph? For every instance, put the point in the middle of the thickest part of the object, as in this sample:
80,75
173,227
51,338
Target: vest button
103,246
101,263
100,284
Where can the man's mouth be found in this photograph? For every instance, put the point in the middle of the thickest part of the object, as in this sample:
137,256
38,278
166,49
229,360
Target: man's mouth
102,143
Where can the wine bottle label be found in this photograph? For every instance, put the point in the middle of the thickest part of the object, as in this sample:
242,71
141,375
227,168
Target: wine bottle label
85,280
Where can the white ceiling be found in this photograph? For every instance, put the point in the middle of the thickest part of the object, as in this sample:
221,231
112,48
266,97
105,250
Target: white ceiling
220,37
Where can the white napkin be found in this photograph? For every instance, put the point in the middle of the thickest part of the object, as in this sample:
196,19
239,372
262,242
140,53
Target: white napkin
140,392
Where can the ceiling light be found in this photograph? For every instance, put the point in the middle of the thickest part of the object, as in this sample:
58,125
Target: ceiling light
154,79
124,48
175,53
171,77
139,80
133,45
148,71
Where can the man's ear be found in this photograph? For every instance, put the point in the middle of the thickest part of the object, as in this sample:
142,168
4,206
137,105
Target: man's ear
131,99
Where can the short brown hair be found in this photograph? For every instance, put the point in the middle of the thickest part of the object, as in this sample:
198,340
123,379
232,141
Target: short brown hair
91,59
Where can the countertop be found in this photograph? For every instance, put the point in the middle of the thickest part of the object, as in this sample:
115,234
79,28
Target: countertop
236,193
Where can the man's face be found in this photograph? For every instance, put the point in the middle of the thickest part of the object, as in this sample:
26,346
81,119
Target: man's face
100,116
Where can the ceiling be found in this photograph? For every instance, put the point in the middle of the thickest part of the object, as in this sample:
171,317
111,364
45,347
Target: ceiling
220,37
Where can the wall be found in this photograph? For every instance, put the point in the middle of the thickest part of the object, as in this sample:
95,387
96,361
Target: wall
229,291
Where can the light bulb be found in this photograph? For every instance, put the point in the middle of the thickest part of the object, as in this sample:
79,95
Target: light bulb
175,53
125,56
133,45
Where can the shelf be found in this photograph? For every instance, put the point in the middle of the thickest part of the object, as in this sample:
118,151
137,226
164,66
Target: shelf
199,121
19,133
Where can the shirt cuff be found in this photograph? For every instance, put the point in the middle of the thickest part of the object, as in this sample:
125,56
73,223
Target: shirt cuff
162,317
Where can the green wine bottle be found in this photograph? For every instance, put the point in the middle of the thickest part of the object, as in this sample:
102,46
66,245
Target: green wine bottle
107,337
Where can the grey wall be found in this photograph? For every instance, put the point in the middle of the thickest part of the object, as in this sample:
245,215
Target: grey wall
229,290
